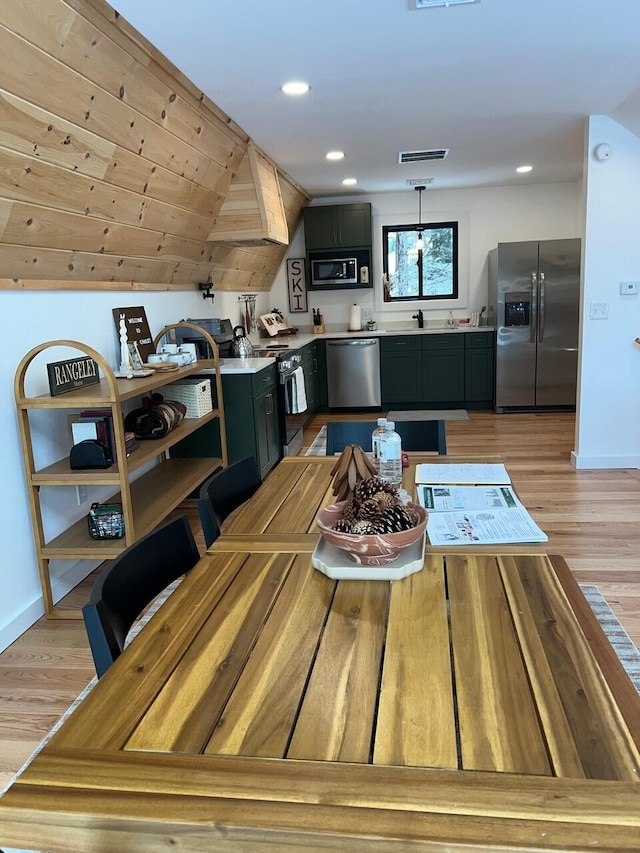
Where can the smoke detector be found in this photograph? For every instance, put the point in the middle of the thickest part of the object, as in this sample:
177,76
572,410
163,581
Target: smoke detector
428,4
419,156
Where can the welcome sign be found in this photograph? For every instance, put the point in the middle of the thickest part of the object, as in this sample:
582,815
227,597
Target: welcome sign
71,374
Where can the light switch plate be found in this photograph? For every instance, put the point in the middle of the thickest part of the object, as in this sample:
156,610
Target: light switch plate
599,311
629,288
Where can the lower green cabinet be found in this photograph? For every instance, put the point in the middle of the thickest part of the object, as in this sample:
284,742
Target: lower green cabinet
266,425
437,371
251,419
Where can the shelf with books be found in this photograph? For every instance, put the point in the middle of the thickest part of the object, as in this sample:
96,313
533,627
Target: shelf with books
146,500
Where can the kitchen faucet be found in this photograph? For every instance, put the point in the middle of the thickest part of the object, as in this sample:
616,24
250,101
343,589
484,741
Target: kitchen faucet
420,318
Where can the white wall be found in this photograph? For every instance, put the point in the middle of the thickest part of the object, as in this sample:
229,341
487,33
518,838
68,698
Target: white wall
486,216
29,319
608,432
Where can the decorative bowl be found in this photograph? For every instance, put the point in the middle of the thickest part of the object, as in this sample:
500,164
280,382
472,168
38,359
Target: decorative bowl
372,549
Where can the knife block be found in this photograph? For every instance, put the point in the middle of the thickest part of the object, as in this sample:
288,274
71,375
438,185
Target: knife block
319,329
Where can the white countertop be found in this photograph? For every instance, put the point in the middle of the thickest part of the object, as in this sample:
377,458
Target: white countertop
254,365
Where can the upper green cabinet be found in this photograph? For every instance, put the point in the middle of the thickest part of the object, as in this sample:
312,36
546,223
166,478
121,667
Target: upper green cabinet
337,226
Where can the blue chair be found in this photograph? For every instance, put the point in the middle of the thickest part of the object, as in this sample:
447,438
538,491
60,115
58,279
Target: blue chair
223,492
416,435
131,582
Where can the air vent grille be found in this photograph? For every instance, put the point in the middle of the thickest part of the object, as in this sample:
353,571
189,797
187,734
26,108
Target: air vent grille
419,156
419,182
428,4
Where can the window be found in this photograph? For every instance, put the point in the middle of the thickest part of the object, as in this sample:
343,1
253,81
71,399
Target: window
430,273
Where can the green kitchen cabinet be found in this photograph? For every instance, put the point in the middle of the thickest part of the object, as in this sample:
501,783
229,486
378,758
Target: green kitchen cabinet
443,369
337,226
400,370
266,422
448,370
479,369
251,420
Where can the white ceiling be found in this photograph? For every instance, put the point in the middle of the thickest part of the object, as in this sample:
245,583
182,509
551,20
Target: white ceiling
500,83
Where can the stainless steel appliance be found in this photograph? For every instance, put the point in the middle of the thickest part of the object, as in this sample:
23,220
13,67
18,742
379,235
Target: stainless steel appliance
241,346
353,373
219,329
291,415
334,271
534,302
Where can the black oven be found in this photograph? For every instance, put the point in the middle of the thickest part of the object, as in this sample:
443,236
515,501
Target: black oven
292,398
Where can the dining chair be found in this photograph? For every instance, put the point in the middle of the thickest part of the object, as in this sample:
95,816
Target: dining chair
415,435
131,582
223,492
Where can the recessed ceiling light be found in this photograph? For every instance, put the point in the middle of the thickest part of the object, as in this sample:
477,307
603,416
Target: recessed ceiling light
523,169
295,87
349,182
334,155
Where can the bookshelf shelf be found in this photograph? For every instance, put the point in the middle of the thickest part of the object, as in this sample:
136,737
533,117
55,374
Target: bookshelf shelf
146,500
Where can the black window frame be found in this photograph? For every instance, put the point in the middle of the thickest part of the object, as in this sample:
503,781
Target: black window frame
428,226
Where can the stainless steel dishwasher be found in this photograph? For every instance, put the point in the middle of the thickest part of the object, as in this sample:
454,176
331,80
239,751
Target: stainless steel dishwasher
353,372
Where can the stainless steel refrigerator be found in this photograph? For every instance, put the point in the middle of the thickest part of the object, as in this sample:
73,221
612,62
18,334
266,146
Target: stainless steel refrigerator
534,301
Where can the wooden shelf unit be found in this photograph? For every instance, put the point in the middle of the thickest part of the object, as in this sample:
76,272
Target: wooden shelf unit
147,500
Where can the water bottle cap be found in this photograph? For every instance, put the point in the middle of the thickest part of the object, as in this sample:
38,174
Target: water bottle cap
390,425
381,421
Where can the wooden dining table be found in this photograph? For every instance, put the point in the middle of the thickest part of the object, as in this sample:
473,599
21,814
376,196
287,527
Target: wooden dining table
475,705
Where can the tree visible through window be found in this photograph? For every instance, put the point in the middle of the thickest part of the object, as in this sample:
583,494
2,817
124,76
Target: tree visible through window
427,273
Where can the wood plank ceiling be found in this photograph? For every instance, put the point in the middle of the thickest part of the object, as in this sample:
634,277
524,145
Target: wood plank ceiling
113,166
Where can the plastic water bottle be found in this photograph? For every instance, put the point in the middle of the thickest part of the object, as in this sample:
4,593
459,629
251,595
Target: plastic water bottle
391,456
377,437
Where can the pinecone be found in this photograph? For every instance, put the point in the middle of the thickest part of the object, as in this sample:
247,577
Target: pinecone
342,525
350,509
396,518
370,508
371,486
382,500
365,528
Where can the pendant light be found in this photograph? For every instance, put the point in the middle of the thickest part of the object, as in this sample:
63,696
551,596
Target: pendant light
420,243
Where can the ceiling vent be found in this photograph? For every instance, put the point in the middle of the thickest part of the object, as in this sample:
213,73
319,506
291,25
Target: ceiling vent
419,156
427,4
419,182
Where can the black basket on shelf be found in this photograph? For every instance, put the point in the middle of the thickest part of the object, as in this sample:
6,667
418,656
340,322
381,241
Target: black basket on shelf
106,521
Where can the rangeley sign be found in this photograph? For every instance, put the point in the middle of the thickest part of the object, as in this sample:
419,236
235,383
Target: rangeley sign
71,374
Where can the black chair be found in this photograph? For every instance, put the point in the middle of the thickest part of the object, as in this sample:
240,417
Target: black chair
223,492
415,435
131,582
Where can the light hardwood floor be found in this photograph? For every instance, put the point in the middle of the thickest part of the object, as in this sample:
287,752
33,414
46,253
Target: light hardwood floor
592,518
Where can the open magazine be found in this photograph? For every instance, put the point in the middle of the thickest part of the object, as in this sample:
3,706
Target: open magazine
484,514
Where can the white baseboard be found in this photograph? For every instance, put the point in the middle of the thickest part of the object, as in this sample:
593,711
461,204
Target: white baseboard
59,588
582,462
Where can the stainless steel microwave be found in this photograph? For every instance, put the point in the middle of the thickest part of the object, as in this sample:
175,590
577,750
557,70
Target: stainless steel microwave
334,271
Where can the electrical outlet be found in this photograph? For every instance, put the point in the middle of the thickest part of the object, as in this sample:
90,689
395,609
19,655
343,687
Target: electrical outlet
599,311
366,314
81,491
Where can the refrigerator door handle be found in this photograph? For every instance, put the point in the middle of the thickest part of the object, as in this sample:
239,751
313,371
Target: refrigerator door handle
534,307
541,323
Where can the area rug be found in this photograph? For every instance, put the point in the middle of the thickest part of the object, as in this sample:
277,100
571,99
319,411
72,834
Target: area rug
429,415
